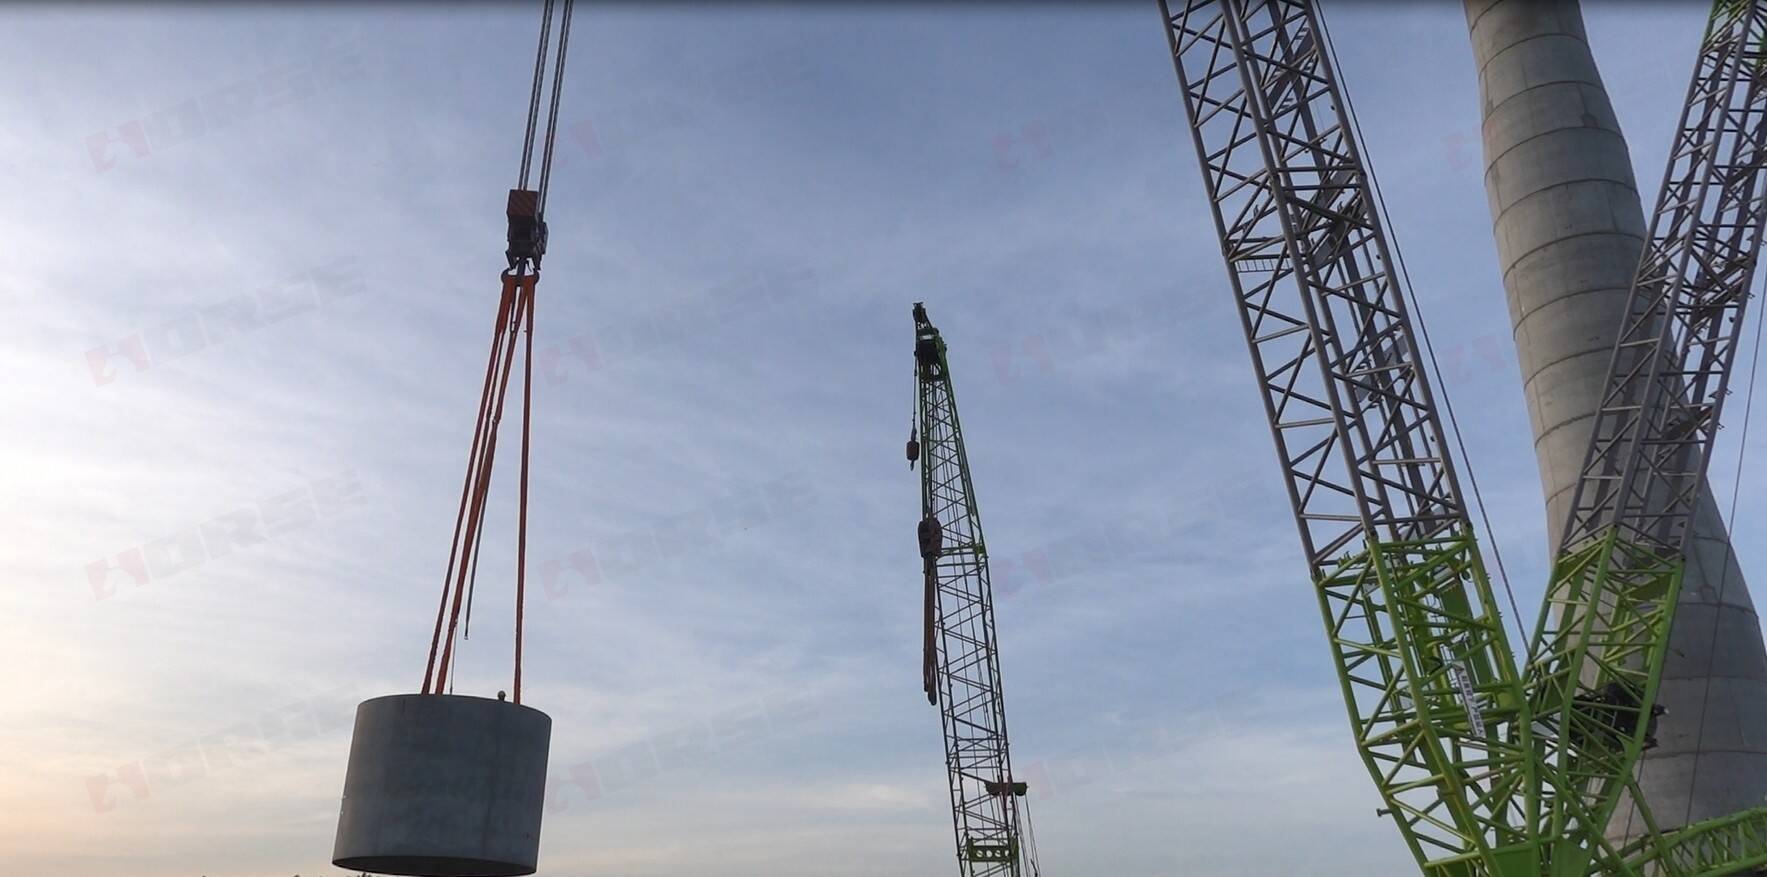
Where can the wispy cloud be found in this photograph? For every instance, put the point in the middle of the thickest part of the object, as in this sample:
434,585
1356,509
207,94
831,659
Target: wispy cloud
227,103
247,313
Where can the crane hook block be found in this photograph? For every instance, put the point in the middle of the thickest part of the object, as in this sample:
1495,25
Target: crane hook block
913,450
527,231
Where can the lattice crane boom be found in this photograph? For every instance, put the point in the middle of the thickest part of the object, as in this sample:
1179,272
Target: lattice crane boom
1424,662
961,669
1486,771
1596,659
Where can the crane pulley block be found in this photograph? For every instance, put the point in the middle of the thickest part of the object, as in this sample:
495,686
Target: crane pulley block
927,354
527,231
929,348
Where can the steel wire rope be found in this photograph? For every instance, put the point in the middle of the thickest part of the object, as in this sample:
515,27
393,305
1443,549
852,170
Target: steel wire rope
564,38
519,286
1031,841
1748,409
534,95
1422,327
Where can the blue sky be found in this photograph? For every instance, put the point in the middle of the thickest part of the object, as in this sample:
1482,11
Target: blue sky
252,264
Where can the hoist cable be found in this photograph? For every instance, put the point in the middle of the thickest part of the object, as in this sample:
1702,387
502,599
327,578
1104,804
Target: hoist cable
564,38
514,316
914,419
1380,204
534,95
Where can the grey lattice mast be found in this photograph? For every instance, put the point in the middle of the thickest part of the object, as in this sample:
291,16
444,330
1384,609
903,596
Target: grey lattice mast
961,672
1654,430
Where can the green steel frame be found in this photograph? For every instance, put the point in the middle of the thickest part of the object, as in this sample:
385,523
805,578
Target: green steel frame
1428,675
1735,844
963,660
1597,656
1485,771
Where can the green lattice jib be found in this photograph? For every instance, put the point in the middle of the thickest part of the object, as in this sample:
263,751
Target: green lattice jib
1734,844
1592,683
1435,700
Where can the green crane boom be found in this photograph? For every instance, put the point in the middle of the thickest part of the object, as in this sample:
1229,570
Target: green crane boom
1426,669
1485,771
961,670
1597,656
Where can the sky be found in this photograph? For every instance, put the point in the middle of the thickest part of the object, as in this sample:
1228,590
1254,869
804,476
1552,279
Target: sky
252,260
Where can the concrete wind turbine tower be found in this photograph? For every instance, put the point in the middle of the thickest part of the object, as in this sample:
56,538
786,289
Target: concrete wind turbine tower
1569,229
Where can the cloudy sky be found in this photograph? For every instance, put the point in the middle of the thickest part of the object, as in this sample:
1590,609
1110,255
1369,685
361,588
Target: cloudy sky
251,264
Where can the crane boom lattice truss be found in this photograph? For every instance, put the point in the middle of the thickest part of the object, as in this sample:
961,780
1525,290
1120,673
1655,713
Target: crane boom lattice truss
1423,658
962,661
1597,657
1485,771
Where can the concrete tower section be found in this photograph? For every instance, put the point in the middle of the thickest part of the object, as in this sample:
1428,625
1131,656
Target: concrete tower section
1569,229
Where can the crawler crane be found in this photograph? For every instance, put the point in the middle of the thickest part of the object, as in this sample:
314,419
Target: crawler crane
961,661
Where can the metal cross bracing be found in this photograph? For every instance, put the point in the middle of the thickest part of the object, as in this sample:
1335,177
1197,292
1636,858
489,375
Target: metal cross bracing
1423,658
1476,785
1597,658
1657,420
963,663
1735,844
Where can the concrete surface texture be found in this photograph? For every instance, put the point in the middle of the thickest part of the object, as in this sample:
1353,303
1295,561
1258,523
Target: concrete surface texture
444,785
1569,229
